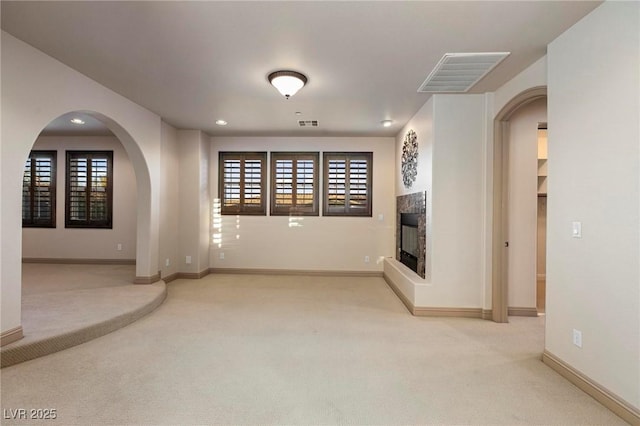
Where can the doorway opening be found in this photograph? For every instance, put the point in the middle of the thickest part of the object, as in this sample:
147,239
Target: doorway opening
541,222
79,225
511,241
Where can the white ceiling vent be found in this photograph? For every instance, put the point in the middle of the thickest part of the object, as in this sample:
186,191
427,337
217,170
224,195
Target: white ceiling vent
308,123
458,72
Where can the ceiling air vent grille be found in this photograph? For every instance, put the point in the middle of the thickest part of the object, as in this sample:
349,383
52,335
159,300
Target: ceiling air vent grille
308,123
459,72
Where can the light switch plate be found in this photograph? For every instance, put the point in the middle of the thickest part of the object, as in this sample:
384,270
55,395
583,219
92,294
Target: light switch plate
576,229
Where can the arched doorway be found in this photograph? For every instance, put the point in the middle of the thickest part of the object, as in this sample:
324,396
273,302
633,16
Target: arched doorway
145,257
23,134
500,222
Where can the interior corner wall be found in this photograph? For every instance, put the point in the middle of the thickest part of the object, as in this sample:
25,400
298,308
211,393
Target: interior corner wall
86,243
593,282
193,152
317,243
169,202
457,219
35,90
204,231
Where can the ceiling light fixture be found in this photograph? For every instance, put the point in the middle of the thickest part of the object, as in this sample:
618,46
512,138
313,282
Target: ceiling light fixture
77,121
287,82
386,123
221,122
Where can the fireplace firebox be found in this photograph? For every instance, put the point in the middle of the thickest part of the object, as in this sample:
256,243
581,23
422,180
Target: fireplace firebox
409,248
411,231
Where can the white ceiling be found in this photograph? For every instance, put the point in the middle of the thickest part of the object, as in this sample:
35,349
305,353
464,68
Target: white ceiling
195,62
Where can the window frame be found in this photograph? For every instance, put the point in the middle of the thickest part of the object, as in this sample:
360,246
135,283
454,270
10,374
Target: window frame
241,208
327,209
294,209
51,221
105,223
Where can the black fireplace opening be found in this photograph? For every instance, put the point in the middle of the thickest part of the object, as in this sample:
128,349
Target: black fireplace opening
409,240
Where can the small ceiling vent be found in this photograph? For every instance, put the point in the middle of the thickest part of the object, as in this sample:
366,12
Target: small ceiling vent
459,72
308,123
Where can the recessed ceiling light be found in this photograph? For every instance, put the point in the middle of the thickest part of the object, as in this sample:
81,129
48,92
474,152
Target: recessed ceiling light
298,113
386,123
221,122
77,121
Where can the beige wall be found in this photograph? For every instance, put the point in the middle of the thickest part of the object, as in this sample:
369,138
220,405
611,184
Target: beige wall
451,139
78,243
320,243
593,282
534,76
459,125
35,90
422,124
195,222
169,201
523,203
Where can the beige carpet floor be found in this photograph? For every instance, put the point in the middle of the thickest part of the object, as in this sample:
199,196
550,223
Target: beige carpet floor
65,305
234,349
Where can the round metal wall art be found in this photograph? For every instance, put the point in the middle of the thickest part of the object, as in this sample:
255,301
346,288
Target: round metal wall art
409,158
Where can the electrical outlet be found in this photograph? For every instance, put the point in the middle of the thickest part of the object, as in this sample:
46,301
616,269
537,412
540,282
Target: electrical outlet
187,260
167,262
367,259
221,255
577,338
119,247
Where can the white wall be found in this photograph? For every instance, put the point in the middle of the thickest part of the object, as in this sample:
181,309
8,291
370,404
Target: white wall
320,243
523,203
451,165
195,222
81,243
533,76
35,90
169,201
593,282
459,127
422,124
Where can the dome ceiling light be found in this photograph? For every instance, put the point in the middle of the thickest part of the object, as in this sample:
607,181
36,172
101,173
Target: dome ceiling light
287,82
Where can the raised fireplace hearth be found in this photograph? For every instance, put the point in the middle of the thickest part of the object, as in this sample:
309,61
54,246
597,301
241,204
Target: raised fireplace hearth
411,231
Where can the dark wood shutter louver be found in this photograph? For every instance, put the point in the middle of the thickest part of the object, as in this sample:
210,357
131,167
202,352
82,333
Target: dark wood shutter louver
39,190
294,178
241,183
348,184
89,189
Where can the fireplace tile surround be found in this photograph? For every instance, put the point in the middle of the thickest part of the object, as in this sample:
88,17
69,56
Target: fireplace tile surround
414,203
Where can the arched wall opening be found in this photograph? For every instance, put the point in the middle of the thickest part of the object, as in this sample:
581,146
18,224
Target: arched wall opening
49,234
145,259
35,90
500,224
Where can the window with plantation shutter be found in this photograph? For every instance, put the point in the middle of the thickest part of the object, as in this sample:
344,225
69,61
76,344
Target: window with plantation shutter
39,190
347,183
294,183
89,189
241,182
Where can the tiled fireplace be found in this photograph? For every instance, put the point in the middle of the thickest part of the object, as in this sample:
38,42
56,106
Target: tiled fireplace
411,231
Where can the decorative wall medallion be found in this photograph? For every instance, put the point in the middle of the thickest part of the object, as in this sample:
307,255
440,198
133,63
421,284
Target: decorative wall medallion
409,158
